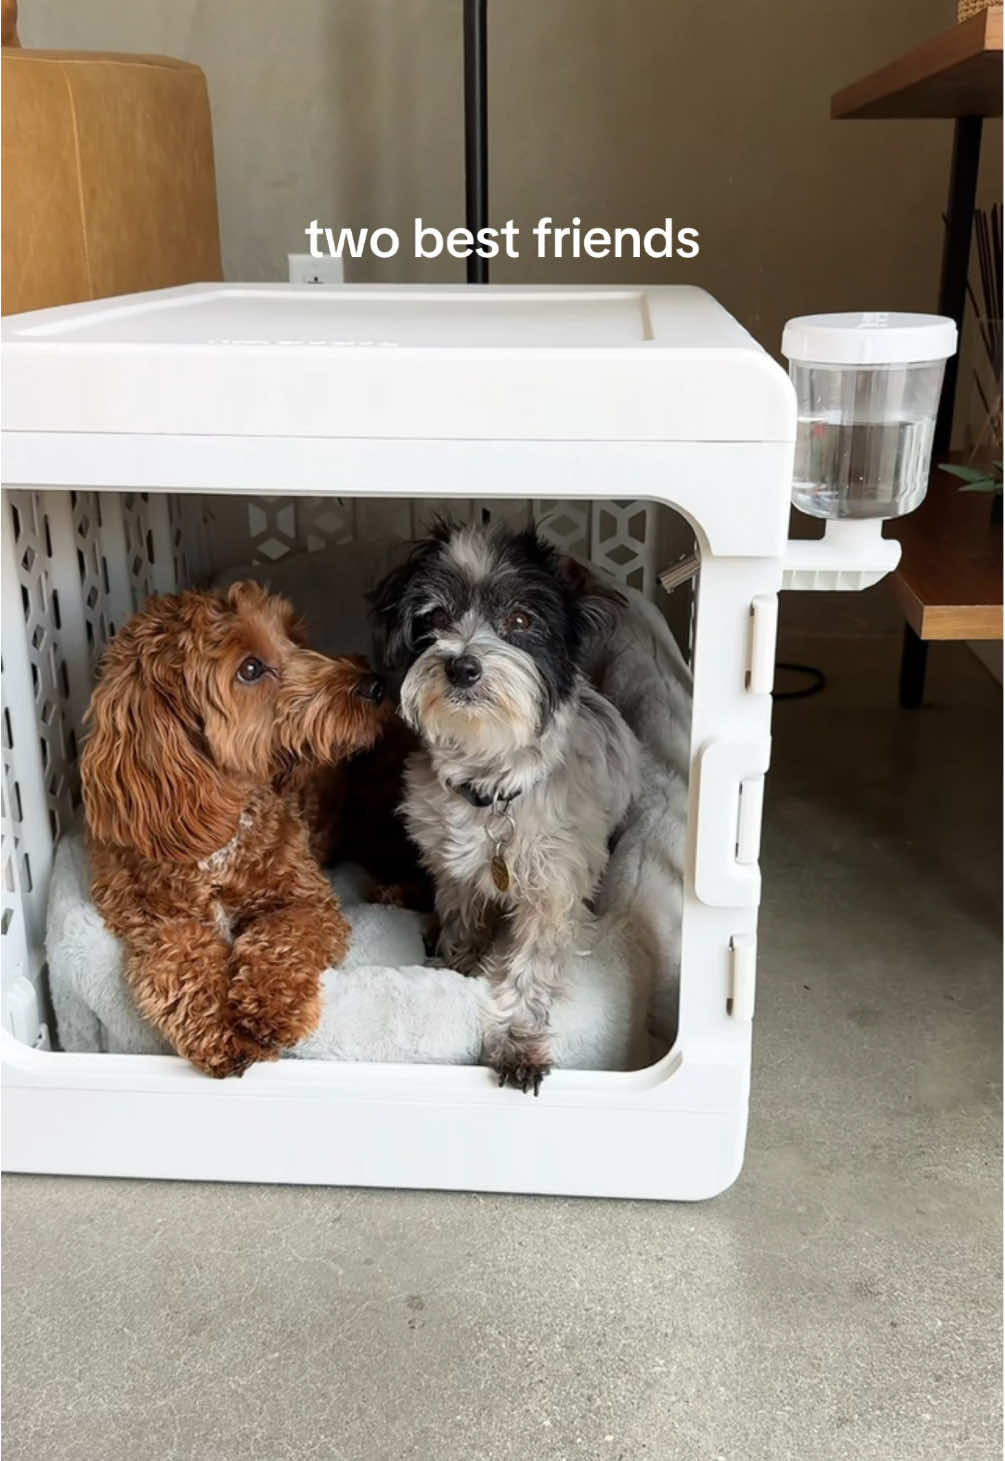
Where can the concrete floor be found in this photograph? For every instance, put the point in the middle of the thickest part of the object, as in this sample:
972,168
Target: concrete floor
841,1301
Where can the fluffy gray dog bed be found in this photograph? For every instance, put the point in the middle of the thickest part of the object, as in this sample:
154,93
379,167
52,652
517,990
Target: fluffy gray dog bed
383,1004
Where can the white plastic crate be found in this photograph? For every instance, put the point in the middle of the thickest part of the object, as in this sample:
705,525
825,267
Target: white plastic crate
203,426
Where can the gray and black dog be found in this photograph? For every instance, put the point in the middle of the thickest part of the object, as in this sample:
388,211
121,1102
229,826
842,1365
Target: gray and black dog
525,771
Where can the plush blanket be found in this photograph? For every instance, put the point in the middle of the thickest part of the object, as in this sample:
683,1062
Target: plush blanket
384,1003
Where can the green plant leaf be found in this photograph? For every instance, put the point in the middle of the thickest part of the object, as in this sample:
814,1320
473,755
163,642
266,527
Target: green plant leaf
966,474
976,479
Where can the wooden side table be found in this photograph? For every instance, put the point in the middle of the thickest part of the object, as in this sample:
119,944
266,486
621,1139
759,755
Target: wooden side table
948,583
949,579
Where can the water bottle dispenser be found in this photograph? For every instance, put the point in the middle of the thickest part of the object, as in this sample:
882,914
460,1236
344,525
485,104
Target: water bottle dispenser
868,388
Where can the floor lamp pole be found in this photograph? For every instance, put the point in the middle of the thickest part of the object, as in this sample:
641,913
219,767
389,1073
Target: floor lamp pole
476,137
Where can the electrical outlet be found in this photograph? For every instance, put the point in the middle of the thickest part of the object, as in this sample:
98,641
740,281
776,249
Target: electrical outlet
307,270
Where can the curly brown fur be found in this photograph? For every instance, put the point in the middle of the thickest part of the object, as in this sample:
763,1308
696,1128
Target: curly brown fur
208,715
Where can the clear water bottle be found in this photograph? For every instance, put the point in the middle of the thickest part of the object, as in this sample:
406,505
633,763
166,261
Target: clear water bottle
868,390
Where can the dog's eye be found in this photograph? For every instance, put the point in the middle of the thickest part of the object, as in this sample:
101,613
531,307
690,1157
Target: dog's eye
436,619
250,670
518,622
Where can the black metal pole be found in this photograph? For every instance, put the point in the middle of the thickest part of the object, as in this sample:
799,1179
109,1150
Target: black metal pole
476,136
956,256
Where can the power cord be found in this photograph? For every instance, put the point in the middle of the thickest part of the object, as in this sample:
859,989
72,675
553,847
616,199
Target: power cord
818,681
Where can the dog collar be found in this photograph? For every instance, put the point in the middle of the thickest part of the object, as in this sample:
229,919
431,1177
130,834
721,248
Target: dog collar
467,790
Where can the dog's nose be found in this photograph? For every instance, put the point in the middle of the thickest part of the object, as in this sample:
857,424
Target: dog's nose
372,688
463,670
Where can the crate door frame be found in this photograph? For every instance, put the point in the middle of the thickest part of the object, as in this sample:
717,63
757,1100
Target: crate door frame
735,497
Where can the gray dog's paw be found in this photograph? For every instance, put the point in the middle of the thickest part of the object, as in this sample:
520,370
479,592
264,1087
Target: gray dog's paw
523,1076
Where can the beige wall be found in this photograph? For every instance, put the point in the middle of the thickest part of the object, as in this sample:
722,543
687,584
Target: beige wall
622,111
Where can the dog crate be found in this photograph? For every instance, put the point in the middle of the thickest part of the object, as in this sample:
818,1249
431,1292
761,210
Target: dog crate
153,441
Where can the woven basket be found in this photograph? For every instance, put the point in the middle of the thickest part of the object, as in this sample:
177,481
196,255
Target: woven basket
966,8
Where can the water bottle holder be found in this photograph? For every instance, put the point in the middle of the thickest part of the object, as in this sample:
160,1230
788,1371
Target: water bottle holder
850,555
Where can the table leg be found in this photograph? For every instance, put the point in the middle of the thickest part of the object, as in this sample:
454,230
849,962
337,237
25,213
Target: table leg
913,659
956,255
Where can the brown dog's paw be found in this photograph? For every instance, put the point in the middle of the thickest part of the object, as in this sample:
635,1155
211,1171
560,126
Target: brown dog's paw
272,1018
388,895
413,895
231,1055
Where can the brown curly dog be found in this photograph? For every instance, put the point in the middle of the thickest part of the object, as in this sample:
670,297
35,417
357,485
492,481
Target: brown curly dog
207,719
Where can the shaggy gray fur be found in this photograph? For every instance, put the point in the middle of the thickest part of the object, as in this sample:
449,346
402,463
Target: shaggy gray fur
514,880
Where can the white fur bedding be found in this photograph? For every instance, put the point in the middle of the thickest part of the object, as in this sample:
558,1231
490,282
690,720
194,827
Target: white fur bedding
383,1003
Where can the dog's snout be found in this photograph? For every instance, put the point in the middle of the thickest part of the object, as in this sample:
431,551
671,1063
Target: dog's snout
463,669
371,687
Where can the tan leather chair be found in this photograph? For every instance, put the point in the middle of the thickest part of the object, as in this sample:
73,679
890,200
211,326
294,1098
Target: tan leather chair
108,178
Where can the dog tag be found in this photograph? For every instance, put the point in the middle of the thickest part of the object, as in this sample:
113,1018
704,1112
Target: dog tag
500,873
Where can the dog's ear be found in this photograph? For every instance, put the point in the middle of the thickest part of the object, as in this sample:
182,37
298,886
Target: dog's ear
597,601
392,606
389,616
147,776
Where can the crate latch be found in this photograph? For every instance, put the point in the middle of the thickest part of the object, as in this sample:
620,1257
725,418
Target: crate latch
742,970
730,795
763,629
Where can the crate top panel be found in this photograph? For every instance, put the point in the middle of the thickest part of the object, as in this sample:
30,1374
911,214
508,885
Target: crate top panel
396,362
